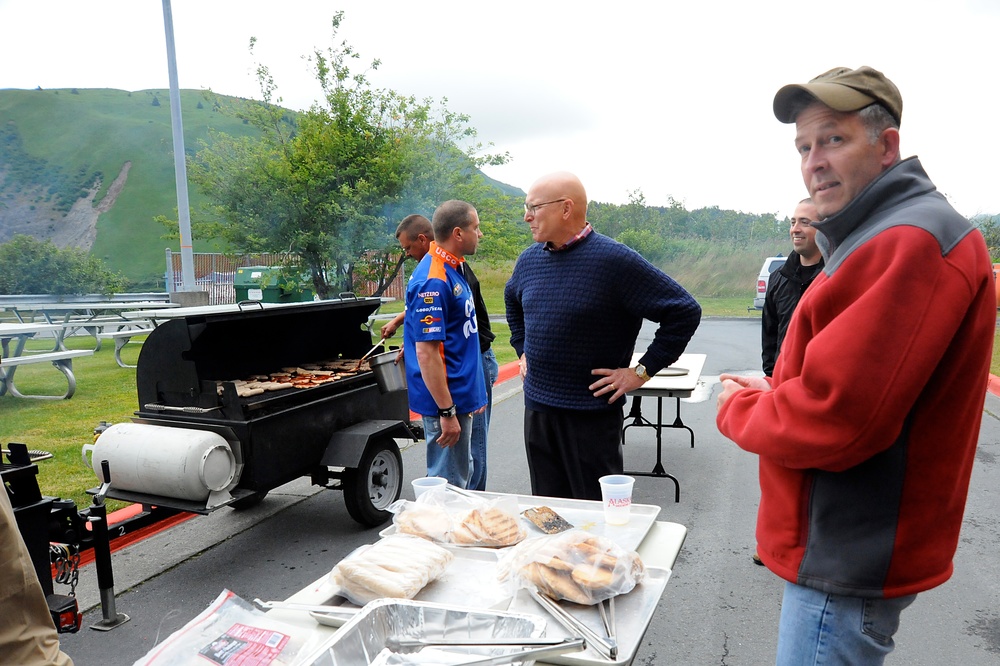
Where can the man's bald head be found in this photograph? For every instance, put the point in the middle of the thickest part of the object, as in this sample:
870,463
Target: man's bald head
563,184
556,207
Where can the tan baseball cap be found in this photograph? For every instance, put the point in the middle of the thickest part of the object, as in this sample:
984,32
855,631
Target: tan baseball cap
842,89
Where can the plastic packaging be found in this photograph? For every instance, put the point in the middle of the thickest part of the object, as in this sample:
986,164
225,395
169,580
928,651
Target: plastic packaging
573,565
396,567
448,517
230,630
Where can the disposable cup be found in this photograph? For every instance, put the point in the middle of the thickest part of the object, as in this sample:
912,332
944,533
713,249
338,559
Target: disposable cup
616,492
425,483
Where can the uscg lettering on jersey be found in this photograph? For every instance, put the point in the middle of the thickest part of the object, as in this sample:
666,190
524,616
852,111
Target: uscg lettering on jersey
446,255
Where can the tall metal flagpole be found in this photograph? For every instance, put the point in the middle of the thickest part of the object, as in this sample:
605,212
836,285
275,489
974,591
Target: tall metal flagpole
180,167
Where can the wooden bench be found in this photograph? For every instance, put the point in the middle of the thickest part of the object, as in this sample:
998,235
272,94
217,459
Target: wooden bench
62,360
121,339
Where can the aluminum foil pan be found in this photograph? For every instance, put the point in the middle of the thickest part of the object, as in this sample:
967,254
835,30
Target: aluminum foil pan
362,641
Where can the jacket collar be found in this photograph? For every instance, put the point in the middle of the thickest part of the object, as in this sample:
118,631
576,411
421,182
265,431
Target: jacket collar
902,181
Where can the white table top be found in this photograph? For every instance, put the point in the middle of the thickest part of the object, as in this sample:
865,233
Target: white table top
106,306
250,306
670,385
660,549
29,329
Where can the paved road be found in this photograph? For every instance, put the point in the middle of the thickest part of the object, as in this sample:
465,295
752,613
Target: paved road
718,607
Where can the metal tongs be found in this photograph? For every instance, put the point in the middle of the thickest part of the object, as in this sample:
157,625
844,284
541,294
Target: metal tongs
607,646
406,645
531,654
344,611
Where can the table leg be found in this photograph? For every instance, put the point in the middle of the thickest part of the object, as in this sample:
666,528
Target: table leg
638,420
680,424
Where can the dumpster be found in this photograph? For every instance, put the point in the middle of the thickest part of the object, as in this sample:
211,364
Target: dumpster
272,284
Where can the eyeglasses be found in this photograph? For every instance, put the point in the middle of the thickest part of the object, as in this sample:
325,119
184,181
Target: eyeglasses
531,208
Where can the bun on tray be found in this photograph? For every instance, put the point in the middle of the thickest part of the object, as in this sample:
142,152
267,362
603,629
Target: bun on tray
573,565
397,566
488,527
425,520
450,518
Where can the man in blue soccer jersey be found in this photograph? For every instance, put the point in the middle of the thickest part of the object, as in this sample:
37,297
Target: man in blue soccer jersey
446,384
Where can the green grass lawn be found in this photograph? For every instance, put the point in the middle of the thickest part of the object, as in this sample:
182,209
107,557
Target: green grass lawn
106,392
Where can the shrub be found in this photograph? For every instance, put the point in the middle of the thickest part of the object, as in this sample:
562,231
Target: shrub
39,267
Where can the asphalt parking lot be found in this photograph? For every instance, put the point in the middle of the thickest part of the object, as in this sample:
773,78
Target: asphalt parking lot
718,608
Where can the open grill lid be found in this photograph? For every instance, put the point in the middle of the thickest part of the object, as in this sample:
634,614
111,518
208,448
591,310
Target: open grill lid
183,357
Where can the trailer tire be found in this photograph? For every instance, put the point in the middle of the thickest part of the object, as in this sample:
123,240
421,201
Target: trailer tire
375,483
249,501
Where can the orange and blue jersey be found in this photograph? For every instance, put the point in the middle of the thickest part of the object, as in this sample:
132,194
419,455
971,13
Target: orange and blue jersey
440,308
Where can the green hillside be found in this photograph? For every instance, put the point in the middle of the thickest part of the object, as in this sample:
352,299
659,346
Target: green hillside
69,137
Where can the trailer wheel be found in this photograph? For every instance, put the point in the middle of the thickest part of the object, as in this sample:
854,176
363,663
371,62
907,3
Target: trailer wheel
375,484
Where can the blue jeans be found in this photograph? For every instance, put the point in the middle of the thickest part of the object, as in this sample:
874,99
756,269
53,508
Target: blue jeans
481,423
826,629
451,462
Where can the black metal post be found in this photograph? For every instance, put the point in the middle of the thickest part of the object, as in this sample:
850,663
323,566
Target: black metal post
102,557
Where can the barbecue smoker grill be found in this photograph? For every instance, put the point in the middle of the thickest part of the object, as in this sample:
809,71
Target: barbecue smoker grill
340,433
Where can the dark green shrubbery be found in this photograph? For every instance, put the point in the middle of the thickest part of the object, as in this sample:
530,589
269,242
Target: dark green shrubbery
31,266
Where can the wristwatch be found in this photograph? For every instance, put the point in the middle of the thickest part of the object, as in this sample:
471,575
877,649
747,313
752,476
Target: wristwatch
448,412
640,371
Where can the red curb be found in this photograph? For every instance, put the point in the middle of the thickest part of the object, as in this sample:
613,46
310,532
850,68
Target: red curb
87,557
508,372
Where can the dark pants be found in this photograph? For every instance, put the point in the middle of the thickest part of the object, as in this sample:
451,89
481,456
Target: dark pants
569,450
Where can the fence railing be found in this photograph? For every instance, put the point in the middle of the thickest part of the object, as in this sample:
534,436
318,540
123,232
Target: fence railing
215,273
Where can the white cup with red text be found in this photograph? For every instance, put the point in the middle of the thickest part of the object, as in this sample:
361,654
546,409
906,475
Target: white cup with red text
616,493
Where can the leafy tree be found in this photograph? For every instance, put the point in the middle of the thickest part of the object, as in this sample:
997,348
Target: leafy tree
990,229
31,266
327,185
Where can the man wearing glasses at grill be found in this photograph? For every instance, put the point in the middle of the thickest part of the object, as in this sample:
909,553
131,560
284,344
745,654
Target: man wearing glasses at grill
575,303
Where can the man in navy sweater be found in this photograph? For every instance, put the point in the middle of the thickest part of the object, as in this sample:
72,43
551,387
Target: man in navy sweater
575,304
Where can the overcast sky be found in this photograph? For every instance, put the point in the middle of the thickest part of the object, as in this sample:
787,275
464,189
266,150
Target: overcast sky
671,98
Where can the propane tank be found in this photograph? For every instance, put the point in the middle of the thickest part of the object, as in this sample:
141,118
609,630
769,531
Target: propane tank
158,460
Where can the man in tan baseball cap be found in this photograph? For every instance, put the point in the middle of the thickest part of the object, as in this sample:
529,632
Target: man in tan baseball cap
879,385
841,89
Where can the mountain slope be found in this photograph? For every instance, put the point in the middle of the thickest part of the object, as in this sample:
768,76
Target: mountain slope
59,147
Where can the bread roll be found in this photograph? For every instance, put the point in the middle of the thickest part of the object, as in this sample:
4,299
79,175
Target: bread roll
490,527
397,567
582,570
424,520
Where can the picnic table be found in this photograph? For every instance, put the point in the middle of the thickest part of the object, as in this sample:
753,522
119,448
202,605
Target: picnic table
101,319
60,357
82,312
